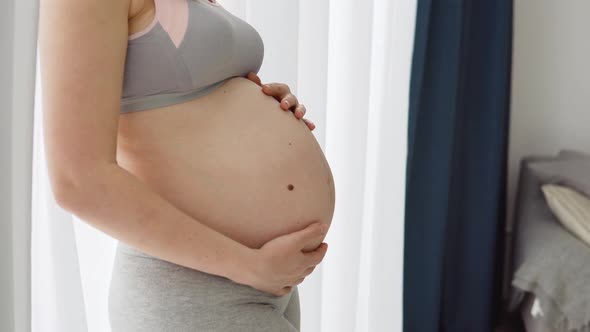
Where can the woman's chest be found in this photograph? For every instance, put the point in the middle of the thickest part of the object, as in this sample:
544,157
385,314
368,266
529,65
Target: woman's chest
189,45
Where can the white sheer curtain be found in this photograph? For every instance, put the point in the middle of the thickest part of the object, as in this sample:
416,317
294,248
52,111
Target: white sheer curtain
349,62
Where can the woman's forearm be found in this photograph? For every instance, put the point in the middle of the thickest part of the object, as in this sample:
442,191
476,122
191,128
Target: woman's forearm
119,204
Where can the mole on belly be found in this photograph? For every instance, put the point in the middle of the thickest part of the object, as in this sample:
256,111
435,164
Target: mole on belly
290,187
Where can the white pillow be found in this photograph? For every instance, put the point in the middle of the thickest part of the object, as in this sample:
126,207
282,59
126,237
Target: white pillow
571,208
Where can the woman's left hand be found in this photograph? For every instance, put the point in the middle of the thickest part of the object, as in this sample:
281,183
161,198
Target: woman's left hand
283,95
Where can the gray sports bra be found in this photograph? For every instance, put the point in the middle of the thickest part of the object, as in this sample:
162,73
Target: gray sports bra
190,48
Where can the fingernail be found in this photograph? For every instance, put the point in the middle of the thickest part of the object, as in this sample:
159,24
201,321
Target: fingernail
287,103
266,86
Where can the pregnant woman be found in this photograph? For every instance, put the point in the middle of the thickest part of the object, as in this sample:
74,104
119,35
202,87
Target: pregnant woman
158,133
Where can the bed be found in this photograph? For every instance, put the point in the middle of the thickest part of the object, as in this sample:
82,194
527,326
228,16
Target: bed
550,282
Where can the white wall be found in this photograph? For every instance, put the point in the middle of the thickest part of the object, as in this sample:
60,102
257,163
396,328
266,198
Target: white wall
550,80
550,106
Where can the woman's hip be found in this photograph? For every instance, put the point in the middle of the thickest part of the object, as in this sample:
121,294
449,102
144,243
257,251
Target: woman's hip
150,294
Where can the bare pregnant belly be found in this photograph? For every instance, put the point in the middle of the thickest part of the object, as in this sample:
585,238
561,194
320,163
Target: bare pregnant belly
233,160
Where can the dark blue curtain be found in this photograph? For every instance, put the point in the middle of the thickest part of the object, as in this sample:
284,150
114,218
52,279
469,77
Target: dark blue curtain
456,170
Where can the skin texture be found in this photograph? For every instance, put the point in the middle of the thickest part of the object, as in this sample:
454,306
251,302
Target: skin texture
235,148
82,48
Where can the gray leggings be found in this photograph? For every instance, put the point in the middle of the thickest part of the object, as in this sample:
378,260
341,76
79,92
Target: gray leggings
150,294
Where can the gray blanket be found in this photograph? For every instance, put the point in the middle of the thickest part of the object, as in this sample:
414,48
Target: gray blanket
548,260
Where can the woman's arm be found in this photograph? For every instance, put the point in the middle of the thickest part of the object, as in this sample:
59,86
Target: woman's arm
82,47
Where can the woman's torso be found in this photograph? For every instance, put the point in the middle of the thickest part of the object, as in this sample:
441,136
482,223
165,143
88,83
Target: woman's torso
232,159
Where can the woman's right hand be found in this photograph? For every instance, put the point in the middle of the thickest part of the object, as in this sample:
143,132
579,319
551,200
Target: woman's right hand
281,263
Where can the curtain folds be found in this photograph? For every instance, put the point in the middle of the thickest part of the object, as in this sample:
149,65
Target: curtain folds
17,82
456,168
